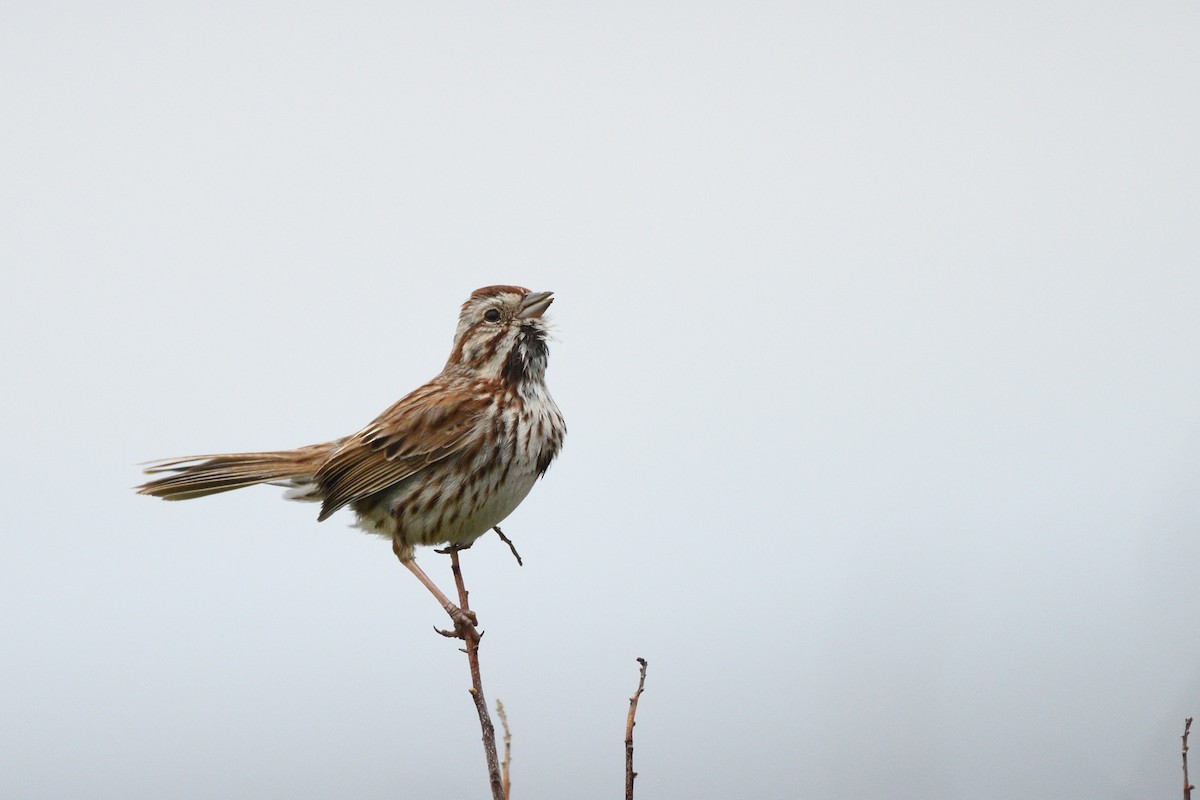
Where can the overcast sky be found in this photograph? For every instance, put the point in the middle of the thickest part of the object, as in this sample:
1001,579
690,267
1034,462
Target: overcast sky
877,342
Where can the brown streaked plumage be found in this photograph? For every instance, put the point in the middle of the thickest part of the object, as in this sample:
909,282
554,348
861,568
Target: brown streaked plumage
444,464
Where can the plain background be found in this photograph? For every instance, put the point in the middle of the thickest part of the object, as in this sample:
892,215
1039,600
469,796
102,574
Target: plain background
876,338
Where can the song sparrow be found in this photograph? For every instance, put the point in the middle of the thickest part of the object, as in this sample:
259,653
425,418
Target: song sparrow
444,464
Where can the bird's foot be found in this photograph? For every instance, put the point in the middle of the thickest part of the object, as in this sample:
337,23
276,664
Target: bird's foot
465,623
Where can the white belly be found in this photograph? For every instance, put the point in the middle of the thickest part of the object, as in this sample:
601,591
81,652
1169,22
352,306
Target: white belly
452,502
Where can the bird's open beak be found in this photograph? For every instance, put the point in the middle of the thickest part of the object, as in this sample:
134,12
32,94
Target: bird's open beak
535,304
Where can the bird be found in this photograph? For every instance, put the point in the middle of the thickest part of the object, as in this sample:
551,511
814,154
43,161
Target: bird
443,465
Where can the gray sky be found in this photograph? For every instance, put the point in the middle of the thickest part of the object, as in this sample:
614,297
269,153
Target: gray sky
877,344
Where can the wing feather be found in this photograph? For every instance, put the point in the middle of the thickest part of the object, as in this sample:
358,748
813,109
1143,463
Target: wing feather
425,427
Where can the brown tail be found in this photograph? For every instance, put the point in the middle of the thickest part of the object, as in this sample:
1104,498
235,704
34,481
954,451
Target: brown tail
199,476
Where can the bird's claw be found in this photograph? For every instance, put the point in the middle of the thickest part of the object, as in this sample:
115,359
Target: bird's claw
465,623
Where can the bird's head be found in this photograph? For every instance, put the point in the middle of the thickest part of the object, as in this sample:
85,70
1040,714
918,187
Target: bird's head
501,334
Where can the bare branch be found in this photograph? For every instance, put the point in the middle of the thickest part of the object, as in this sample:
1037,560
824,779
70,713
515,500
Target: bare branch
504,764
629,723
1187,786
511,546
471,637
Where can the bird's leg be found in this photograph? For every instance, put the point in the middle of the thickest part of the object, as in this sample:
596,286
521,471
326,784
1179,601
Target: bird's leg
464,608
464,620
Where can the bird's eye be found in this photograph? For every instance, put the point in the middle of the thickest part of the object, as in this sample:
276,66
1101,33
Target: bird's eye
492,315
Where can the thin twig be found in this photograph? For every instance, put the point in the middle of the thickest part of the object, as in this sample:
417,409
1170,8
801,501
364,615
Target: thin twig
504,764
485,719
1187,786
511,546
629,723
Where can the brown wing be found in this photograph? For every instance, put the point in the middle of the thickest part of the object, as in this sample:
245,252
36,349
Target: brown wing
433,423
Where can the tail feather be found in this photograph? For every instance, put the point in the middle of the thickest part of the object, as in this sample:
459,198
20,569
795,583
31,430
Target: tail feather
199,476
